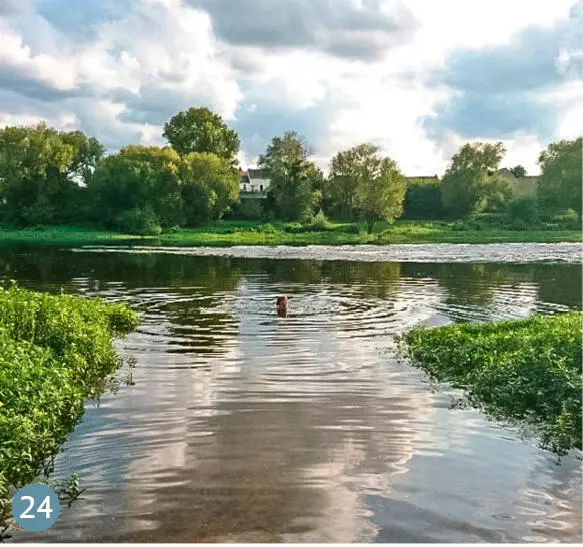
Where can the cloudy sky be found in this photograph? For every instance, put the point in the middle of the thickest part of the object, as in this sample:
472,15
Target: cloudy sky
417,77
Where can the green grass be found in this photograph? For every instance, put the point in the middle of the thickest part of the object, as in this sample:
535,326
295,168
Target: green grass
226,233
525,372
55,351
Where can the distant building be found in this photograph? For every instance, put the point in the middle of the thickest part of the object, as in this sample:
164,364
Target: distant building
254,181
521,186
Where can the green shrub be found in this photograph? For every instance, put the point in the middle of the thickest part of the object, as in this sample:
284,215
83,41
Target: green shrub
352,229
523,371
269,229
174,230
523,210
142,222
54,352
250,209
293,228
423,199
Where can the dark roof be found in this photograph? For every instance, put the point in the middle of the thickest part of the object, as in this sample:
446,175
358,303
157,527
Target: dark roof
257,174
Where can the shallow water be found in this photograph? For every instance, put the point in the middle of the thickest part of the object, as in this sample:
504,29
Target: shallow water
430,252
242,426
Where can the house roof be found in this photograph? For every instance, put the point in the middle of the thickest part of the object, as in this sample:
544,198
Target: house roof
257,174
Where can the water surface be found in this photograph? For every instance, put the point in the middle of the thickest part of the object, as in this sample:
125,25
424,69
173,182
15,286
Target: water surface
242,426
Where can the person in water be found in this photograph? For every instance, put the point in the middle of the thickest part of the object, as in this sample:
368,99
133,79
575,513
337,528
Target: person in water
282,306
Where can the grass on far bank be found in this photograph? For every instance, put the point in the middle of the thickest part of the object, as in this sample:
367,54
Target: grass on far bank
226,233
526,372
55,351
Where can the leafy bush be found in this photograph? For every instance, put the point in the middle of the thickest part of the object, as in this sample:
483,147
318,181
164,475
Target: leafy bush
423,199
173,230
269,229
250,209
142,222
352,229
523,209
54,352
524,371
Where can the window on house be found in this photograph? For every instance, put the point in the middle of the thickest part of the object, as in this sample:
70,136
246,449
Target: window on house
261,187
244,187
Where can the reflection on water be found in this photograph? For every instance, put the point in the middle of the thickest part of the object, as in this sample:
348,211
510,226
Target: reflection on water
243,426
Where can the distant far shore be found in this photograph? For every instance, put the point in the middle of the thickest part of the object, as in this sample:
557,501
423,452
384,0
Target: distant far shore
228,233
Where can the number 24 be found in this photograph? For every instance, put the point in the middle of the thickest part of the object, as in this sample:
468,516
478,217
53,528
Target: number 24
44,507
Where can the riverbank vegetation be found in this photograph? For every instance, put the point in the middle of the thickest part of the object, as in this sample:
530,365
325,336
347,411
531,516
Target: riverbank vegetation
526,372
227,233
54,178
55,351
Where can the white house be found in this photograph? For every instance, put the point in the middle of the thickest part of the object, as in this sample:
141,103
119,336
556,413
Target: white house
254,180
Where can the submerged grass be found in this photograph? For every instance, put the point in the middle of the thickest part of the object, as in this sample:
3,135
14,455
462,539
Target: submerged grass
226,233
526,372
55,351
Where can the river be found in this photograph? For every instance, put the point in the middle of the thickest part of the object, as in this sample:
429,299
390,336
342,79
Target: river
242,426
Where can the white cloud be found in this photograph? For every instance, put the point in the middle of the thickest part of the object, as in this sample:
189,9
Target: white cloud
160,56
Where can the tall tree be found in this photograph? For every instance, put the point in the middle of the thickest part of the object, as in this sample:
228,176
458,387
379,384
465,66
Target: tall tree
380,189
201,130
559,186
294,179
166,198
346,171
41,170
470,184
210,185
138,189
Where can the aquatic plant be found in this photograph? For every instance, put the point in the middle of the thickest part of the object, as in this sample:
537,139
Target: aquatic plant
527,372
55,351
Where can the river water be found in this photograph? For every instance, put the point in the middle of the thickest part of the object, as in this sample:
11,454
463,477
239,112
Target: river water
243,426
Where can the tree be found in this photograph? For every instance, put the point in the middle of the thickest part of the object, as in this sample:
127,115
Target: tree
471,184
559,186
518,171
210,185
42,171
166,197
346,171
201,130
138,189
294,179
423,199
380,188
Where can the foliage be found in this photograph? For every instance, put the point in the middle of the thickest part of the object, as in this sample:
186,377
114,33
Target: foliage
201,130
518,171
210,186
347,169
380,191
250,209
423,199
470,184
165,200
524,371
363,184
294,179
41,170
138,189
141,222
523,210
55,350
559,186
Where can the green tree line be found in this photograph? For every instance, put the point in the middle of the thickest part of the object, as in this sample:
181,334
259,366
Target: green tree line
57,177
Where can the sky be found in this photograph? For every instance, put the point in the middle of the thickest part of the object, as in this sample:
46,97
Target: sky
418,78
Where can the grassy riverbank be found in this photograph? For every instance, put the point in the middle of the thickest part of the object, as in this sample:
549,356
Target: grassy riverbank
55,351
227,233
526,372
